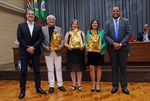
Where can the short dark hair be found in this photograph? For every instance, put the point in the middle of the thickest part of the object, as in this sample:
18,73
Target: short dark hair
115,6
28,11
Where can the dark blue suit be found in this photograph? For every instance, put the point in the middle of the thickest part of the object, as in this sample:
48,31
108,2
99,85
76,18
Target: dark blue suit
25,40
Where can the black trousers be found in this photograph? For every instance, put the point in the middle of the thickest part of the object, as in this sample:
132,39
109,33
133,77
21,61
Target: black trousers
25,59
118,60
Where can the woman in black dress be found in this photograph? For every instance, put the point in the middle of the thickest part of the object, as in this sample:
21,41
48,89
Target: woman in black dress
75,56
95,55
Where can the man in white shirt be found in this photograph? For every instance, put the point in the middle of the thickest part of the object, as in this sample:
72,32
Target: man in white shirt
30,37
145,34
53,58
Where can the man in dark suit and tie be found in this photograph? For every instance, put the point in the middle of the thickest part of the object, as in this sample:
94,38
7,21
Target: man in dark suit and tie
117,35
30,37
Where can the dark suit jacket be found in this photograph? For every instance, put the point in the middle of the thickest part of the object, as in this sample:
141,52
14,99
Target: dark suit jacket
25,39
140,36
124,33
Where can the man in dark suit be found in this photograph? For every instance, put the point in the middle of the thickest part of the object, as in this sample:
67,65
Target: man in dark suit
30,37
145,34
117,35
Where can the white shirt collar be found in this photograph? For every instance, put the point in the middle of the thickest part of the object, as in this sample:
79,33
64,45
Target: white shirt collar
116,19
30,23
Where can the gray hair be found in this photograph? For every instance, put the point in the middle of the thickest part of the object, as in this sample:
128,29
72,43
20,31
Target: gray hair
50,16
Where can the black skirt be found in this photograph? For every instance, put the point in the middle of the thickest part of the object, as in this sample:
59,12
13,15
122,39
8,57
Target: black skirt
75,60
95,59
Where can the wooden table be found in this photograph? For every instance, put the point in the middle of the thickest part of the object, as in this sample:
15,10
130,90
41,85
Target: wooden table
139,55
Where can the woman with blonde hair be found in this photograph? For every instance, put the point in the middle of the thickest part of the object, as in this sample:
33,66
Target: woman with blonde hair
74,41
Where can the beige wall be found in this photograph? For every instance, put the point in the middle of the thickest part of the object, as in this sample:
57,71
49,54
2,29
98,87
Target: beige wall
9,19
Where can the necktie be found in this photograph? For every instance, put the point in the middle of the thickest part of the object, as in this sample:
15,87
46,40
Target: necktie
116,30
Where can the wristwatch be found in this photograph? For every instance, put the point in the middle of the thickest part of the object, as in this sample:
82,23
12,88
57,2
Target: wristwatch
120,44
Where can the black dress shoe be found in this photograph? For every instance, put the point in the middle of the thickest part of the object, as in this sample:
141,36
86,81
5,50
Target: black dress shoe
92,90
21,95
61,88
98,90
125,90
39,90
51,90
114,90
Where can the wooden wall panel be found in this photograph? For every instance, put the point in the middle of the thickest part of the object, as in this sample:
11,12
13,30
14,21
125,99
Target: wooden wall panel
9,19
